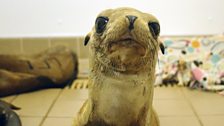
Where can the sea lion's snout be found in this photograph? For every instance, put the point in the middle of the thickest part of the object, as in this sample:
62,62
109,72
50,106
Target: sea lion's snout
131,19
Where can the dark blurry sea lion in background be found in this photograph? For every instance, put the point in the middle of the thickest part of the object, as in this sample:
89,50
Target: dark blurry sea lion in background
53,68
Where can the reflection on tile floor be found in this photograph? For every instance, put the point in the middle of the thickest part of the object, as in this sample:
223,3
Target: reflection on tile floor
176,106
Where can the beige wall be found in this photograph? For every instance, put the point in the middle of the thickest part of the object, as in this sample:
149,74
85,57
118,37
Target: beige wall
35,45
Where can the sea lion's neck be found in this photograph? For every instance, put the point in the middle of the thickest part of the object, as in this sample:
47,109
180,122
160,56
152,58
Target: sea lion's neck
122,100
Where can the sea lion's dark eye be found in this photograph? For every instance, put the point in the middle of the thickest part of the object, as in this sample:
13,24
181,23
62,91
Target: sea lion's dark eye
154,28
100,24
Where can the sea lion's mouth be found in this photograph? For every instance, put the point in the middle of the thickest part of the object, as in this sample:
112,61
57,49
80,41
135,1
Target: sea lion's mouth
124,41
127,42
126,54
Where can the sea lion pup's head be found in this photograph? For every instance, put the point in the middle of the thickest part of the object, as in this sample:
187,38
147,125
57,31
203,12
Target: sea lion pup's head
124,40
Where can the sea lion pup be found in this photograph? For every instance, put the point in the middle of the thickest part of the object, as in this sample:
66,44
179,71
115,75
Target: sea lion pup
124,49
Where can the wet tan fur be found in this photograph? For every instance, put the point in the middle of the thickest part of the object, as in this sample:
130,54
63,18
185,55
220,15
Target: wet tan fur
121,74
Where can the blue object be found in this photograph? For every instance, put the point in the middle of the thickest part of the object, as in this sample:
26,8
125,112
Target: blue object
167,43
190,49
215,58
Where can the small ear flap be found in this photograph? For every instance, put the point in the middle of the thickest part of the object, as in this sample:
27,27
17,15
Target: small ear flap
162,47
86,40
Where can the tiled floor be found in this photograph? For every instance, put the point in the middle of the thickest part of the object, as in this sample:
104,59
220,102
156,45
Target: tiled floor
176,106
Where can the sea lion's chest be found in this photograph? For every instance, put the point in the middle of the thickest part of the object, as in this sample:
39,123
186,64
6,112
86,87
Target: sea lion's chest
121,99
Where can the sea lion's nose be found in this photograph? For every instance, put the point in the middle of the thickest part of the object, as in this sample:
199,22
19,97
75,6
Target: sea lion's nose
131,19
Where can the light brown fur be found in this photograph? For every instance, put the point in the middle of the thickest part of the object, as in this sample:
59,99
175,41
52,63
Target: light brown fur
122,72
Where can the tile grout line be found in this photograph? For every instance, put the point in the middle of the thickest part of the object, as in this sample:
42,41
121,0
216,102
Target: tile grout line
13,99
50,108
194,111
